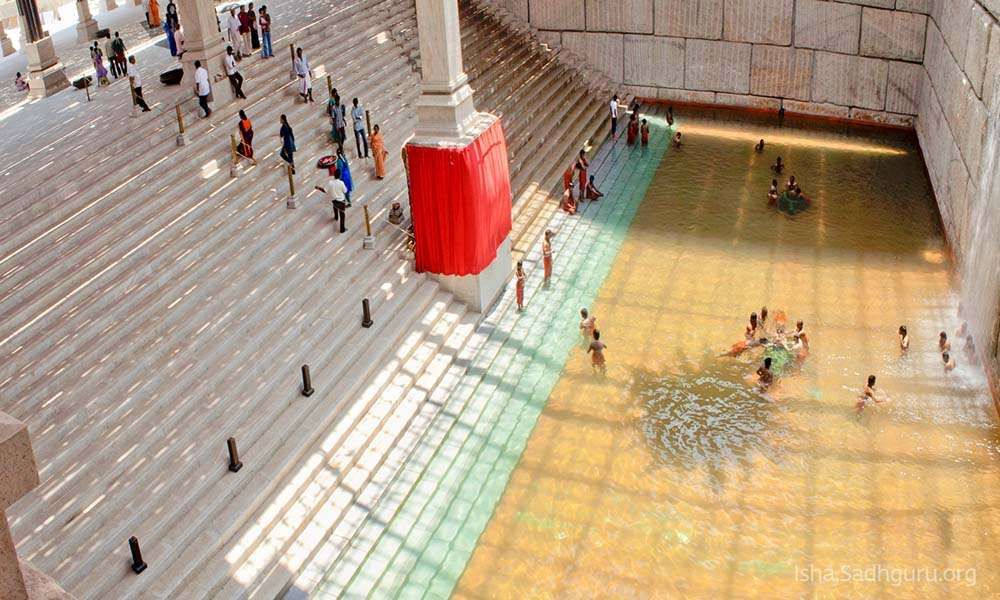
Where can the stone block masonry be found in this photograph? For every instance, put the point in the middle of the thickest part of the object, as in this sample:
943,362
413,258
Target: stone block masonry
829,57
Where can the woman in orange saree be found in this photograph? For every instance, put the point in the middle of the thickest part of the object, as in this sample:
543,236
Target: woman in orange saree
379,152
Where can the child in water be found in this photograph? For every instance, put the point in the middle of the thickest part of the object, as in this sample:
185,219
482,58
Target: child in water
764,375
772,194
949,362
596,351
759,147
778,166
587,324
904,339
800,332
677,140
943,344
520,275
868,395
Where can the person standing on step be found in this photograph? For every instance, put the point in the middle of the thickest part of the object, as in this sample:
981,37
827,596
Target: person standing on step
344,168
254,36
245,128
244,18
520,276
614,117
379,152
264,20
358,116
304,73
547,256
235,38
118,46
287,142
582,165
235,79
338,196
135,78
109,52
202,87
97,56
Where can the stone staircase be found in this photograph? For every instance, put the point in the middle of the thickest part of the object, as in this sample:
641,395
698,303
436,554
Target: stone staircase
154,307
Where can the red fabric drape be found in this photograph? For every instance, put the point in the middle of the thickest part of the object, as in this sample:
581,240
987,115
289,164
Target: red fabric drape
460,203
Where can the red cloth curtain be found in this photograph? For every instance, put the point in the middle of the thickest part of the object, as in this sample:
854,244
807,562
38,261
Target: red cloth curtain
460,203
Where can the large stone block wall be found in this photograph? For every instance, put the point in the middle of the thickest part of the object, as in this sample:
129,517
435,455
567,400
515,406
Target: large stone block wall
958,125
843,58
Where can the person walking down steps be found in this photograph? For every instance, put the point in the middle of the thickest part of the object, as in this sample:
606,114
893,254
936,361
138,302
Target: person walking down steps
234,74
202,87
287,143
136,79
338,196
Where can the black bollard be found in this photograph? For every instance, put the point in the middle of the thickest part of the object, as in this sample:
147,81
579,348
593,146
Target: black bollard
307,388
366,314
234,456
138,566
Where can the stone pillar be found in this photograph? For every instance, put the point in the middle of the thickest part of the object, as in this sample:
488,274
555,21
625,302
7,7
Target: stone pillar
45,72
6,45
203,41
18,476
444,109
86,28
110,4
447,122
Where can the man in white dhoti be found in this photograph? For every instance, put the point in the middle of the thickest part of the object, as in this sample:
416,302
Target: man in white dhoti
304,73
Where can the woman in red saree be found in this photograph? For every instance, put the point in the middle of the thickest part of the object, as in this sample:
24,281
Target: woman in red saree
633,129
568,204
582,165
245,147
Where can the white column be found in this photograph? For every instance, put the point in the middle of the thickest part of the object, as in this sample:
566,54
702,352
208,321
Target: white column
6,45
444,109
45,72
86,27
203,41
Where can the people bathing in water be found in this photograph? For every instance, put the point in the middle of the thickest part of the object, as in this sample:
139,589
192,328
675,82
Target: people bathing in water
943,344
800,332
778,166
644,133
764,375
587,324
904,339
677,140
868,395
949,362
772,193
596,351
670,116
791,183
759,147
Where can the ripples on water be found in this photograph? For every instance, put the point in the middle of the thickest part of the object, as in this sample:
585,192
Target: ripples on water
705,420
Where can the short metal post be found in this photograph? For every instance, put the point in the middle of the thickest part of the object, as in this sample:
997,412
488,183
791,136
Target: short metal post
86,87
369,241
291,188
234,157
138,565
291,51
368,122
366,314
307,388
234,456
181,136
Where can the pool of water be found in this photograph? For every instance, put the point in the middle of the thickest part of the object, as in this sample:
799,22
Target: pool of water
672,475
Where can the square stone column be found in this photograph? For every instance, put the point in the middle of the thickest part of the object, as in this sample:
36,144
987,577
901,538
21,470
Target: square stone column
6,45
110,4
45,72
86,27
18,476
203,41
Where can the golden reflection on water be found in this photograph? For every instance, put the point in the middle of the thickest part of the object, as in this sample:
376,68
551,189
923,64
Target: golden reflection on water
672,477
